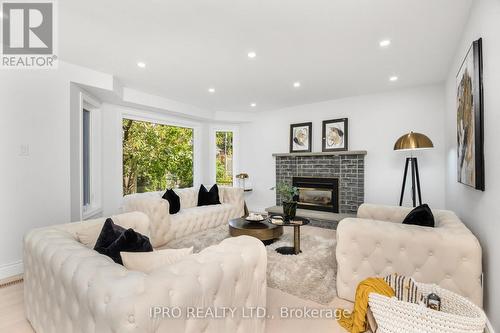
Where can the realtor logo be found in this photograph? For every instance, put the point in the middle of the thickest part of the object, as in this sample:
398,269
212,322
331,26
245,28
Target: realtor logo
28,35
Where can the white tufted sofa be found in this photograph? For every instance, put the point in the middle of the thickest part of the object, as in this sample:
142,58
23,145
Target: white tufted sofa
376,243
70,288
191,218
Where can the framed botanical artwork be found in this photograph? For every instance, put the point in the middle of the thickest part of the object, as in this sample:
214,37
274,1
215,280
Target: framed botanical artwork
335,135
301,138
470,147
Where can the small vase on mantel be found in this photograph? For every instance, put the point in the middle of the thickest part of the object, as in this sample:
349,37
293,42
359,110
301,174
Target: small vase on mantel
289,210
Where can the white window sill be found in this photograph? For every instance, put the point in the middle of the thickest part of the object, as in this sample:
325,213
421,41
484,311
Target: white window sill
91,213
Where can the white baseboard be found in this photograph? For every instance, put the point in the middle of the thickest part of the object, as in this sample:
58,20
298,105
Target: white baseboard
489,327
9,270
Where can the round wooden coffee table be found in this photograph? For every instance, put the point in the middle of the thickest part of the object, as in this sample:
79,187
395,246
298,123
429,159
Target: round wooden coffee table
264,230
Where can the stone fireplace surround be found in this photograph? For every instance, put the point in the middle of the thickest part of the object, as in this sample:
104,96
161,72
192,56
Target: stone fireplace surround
347,166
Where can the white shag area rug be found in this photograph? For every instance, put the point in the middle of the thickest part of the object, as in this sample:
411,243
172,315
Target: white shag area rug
309,275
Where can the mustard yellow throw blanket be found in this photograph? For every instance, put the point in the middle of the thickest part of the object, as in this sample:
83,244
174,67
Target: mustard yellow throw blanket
356,322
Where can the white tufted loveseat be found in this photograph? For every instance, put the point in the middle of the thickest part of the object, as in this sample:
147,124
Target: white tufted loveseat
70,288
376,243
190,218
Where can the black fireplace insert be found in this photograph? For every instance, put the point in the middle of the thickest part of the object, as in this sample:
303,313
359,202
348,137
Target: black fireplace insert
317,193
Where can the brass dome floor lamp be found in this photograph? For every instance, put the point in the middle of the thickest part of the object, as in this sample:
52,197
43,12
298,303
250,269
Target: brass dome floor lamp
411,142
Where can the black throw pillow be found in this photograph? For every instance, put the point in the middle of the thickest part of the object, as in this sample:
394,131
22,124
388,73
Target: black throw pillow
124,241
211,197
174,201
421,215
109,233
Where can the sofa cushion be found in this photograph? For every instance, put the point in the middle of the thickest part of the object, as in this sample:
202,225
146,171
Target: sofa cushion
196,219
206,198
173,200
421,215
114,239
147,262
188,197
88,232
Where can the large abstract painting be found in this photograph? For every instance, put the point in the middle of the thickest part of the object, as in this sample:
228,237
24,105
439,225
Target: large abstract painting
470,151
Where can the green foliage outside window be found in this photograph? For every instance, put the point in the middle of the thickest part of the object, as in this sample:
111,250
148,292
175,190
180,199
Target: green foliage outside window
224,158
156,156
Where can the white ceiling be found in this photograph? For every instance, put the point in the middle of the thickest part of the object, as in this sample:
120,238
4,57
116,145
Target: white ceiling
330,46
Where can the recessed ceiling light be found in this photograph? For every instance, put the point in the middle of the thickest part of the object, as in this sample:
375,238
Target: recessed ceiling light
296,84
253,105
211,90
385,43
141,64
393,78
252,55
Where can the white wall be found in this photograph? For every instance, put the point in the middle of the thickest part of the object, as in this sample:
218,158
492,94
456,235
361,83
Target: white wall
35,187
480,210
375,123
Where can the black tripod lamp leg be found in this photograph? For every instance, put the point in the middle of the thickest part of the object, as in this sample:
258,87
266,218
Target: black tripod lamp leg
418,181
413,197
404,182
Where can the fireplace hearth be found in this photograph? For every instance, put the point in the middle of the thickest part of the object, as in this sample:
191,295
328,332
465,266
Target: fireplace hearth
317,193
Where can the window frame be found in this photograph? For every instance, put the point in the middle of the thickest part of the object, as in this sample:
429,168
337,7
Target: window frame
145,116
213,150
86,168
93,106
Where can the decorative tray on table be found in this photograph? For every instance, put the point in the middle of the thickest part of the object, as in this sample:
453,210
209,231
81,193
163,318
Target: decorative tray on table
252,217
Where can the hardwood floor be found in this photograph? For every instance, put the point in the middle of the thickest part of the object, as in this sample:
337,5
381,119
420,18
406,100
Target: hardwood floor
12,317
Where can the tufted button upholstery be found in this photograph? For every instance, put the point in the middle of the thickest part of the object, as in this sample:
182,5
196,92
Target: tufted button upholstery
191,218
156,208
70,288
376,243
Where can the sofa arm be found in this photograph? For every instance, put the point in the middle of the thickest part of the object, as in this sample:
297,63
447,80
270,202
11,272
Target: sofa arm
157,209
233,196
383,212
231,274
450,259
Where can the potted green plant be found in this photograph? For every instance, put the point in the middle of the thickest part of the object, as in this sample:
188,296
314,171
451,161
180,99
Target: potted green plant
288,193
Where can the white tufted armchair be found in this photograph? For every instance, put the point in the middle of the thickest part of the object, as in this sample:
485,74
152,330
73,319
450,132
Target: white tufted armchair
70,288
191,218
376,243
